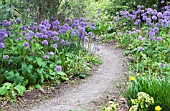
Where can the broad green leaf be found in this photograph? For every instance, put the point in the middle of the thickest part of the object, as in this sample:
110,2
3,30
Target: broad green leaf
3,90
21,89
39,61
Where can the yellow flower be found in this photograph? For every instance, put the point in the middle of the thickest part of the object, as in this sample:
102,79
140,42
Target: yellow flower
132,78
158,108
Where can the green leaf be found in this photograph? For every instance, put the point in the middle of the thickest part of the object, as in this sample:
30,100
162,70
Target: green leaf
7,85
3,90
39,87
10,76
21,89
61,73
143,55
39,61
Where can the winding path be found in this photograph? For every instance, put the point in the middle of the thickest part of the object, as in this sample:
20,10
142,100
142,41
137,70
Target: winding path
82,96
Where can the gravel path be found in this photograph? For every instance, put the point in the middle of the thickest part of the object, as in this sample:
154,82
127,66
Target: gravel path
82,96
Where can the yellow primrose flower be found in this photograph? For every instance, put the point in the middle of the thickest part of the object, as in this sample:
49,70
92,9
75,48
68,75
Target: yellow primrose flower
132,78
158,108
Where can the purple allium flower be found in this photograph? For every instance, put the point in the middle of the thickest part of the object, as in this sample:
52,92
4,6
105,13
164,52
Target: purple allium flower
81,34
156,29
140,48
23,33
48,26
148,21
58,69
51,53
136,23
164,23
68,20
18,39
67,43
23,28
28,9
45,36
55,38
151,35
73,33
154,17
26,44
18,21
46,57
90,33
41,27
159,15
162,1
44,42
55,45
31,33
55,33
44,31
76,22
140,38
132,59
86,39
144,17
6,57
6,23
3,34
62,42
159,39
119,34
29,37
2,45
50,33
162,65
40,35
55,23
92,26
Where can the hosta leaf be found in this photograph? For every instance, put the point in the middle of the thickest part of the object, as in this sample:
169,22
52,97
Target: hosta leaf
3,90
39,61
10,76
21,89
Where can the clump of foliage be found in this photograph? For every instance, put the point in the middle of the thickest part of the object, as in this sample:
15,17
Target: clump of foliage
33,54
147,46
144,33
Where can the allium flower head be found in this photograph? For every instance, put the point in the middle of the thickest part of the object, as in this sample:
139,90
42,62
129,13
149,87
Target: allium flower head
51,53
73,33
119,34
46,57
6,57
18,21
55,38
162,65
2,45
140,38
26,44
67,43
154,17
159,39
44,42
58,69
55,45
160,15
